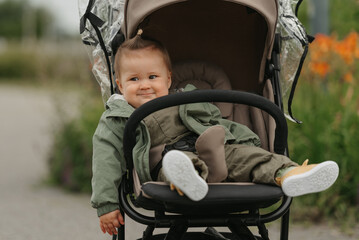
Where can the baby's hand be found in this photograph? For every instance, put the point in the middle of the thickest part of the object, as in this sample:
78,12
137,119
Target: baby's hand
110,221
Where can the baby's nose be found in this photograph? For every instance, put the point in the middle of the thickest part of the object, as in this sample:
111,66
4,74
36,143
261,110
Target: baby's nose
144,83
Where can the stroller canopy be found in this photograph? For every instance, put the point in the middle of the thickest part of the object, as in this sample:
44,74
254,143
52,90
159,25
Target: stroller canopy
137,10
237,35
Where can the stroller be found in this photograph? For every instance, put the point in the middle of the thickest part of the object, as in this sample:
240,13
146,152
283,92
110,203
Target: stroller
232,51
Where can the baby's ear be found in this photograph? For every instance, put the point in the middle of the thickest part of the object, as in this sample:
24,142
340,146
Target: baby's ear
119,84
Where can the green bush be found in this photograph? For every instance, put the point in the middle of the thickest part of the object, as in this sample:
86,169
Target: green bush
46,62
15,64
330,131
70,161
344,16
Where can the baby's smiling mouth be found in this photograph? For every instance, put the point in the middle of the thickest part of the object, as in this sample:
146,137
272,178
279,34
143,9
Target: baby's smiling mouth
146,94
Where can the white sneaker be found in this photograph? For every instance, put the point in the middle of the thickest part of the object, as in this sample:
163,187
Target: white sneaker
179,170
309,178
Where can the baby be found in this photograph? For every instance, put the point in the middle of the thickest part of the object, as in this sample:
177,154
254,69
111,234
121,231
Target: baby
198,146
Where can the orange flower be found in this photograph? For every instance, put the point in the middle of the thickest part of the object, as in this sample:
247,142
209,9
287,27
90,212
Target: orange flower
347,48
327,53
320,47
324,42
320,68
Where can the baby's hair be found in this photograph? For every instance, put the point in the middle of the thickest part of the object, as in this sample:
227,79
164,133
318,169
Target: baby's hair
137,43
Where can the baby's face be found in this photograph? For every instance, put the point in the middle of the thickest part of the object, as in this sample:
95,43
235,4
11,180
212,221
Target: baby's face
143,76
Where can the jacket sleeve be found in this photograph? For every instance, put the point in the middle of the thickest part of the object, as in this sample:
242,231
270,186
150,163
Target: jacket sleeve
108,164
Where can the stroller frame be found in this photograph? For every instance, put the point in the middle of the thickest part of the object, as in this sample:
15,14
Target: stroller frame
236,222
237,217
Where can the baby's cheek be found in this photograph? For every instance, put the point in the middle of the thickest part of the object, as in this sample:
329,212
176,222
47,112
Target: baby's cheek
162,93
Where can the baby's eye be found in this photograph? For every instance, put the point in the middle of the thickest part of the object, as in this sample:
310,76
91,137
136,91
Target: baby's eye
134,79
152,76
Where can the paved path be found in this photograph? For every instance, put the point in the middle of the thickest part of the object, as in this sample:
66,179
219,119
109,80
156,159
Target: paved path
28,208
32,210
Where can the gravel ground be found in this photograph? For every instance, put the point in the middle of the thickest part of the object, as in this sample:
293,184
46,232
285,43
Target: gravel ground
32,210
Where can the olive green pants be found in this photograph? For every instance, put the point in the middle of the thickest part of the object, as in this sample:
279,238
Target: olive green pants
245,164
253,164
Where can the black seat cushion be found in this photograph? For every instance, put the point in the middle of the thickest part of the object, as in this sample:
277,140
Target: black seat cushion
221,198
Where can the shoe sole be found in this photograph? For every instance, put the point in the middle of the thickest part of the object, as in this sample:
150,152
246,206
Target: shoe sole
318,179
179,170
